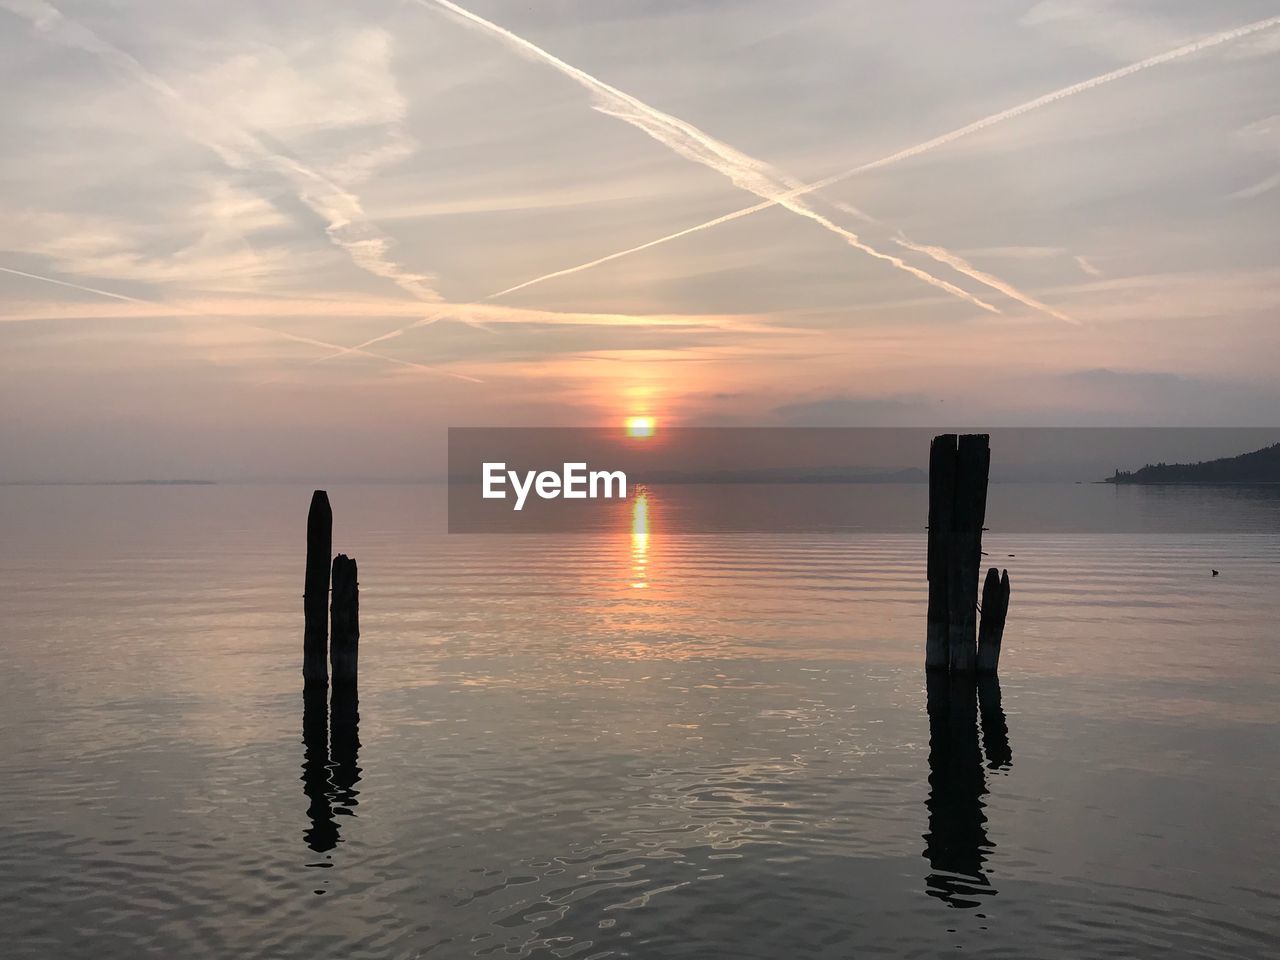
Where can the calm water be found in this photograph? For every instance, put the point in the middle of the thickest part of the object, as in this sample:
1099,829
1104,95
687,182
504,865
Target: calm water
641,743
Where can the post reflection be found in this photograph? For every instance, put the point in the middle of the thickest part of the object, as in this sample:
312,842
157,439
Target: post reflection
995,729
957,845
322,835
345,748
640,539
330,764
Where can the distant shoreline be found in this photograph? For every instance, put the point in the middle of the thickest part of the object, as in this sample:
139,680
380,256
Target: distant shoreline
1247,469
1186,483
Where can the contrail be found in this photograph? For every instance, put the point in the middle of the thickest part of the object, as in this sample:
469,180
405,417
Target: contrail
1186,50
345,222
961,265
737,214
934,143
296,338
73,286
483,317
745,172
851,238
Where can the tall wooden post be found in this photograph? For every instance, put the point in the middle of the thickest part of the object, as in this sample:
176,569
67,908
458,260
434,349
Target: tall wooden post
315,597
345,644
958,472
973,462
942,487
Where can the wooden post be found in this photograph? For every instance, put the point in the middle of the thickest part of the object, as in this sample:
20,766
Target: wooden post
995,607
973,462
345,647
315,597
942,485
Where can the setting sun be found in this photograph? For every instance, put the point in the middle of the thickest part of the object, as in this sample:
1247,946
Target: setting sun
640,426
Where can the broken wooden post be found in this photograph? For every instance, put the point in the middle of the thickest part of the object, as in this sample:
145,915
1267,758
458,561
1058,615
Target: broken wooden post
315,597
942,479
995,607
345,644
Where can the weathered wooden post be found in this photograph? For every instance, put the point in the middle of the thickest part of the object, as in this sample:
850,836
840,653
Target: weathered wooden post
973,462
958,472
315,597
942,485
995,607
345,644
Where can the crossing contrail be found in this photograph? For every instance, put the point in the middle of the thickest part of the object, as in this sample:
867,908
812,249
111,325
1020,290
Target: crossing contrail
746,172
345,222
692,143
188,311
1186,50
1062,93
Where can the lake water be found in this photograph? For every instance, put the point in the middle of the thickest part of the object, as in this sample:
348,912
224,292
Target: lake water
635,743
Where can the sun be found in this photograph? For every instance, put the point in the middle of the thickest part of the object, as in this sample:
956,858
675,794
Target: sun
640,427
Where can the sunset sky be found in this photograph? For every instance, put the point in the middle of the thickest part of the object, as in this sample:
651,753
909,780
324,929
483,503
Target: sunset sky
206,206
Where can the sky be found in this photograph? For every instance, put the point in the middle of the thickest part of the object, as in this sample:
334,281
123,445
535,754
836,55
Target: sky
301,239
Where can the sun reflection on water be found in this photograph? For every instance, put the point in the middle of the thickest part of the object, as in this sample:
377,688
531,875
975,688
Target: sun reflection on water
640,539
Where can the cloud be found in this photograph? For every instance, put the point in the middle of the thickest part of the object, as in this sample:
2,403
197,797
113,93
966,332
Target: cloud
1263,137
1017,253
214,234
1199,294
345,308
1099,24
1169,397
332,98
1265,185
845,411
1087,266
220,130
192,311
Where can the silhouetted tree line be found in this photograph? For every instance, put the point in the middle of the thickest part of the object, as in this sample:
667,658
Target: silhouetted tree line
1260,466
